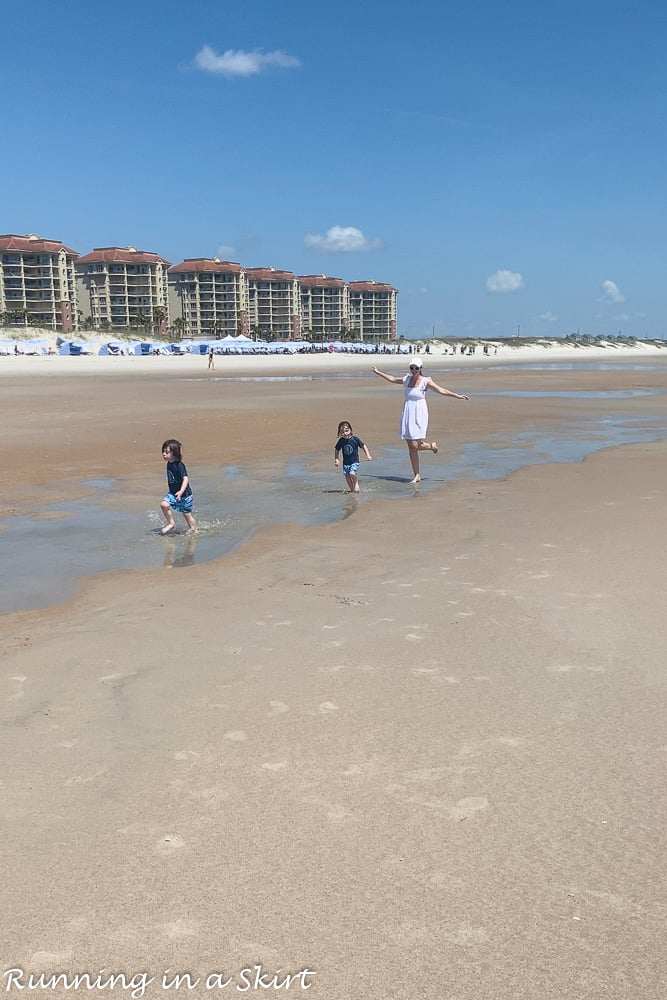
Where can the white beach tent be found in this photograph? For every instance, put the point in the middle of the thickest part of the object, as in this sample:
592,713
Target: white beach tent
37,346
76,347
149,347
7,347
115,347
289,346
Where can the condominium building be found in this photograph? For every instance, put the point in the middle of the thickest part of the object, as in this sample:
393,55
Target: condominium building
273,302
44,283
372,309
124,287
37,283
323,304
209,297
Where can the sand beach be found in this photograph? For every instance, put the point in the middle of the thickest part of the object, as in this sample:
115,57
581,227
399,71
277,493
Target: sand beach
416,752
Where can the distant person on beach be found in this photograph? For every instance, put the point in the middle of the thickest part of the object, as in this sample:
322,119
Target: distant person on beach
414,419
179,496
349,444
211,362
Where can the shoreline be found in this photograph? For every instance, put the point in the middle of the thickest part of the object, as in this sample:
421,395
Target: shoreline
294,364
231,511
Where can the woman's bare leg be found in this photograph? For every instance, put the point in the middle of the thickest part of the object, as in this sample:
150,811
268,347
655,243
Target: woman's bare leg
413,452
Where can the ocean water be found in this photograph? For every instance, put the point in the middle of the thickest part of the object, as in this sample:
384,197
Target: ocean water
47,552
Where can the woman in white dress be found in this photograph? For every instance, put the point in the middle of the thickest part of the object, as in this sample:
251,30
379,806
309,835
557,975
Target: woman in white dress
414,419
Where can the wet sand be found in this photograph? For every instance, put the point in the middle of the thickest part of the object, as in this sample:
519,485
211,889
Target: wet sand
420,752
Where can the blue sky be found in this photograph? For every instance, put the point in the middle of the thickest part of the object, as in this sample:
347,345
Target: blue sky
502,165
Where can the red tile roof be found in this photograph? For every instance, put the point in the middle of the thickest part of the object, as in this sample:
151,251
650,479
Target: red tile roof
129,255
320,281
34,244
369,286
268,274
207,264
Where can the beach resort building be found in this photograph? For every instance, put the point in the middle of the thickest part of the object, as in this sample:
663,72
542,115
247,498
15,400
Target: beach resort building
37,283
124,287
208,297
372,309
273,302
45,284
323,303
213,297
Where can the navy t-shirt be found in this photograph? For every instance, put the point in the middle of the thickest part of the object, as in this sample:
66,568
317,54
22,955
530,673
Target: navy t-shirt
176,473
350,448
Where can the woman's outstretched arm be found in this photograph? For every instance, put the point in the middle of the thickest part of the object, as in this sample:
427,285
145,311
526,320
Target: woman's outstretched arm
388,378
446,392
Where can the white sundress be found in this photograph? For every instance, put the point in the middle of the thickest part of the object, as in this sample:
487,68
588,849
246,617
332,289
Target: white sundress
414,419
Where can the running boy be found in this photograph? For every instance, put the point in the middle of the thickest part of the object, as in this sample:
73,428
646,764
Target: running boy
349,444
179,496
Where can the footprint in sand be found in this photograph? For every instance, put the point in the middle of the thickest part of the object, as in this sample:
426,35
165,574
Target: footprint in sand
337,814
44,961
278,708
327,707
180,928
19,680
466,808
170,844
236,736
466,936
210,796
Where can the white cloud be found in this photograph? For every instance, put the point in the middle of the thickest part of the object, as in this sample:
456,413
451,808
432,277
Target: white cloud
504,281
621,318
342,239
548,317
236,62
226,252
423,291
611,292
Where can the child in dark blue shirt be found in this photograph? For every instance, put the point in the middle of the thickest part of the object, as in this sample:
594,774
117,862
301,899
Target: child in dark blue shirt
349,444
179,496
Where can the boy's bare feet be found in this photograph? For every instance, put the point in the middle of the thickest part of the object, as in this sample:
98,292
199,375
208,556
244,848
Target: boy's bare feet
434,448
167,528
417,479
